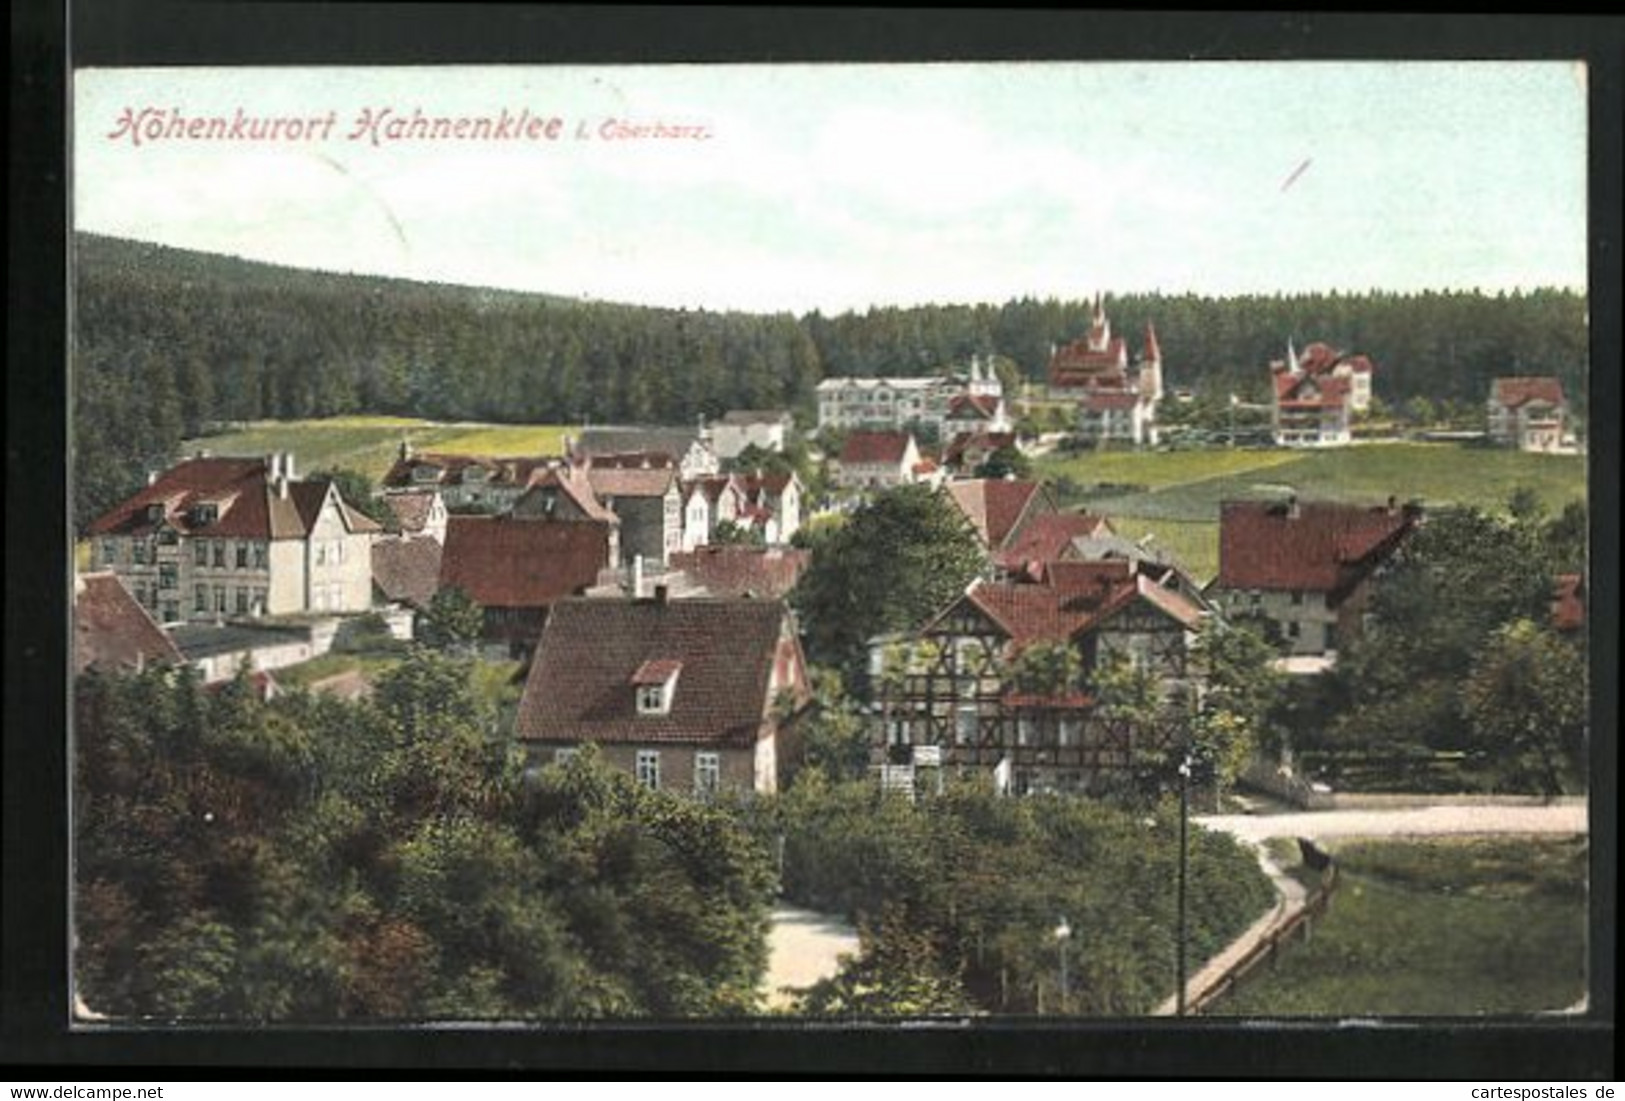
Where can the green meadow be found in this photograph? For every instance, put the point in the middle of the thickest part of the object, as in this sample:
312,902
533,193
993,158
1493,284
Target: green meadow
1451,927
370,444
1175,495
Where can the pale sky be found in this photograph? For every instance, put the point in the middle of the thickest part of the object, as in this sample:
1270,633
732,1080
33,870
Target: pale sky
841,187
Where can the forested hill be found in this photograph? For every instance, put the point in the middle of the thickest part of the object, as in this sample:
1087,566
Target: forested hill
170,341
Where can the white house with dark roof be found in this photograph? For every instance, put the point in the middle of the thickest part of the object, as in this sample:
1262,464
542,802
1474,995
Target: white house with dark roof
686,695
215,537
1529,413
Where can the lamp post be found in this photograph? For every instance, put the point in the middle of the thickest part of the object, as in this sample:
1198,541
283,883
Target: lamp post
1184,860
1063,933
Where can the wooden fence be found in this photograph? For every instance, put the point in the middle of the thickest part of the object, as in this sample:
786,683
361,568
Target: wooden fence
1268,950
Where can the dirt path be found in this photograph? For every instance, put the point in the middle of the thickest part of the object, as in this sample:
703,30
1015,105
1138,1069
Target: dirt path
804,947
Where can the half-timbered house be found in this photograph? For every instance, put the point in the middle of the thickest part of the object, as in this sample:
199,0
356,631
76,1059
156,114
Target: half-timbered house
1004,680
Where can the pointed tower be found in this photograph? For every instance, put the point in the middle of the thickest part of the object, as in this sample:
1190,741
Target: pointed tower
1151,366
1100,332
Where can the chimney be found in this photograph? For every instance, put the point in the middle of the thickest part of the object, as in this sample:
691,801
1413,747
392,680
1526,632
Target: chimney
1292,510
660,594
273,465
1393,504
287,465
637,576
152,477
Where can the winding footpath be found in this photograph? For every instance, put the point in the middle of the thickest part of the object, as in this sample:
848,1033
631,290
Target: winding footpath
1566,816
804,947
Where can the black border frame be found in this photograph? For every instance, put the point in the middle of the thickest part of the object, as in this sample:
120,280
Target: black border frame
33,1012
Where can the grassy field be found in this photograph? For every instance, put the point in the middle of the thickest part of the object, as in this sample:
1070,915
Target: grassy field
1460,927
370,444
1176,494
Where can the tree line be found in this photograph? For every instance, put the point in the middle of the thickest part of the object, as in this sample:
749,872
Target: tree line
168,343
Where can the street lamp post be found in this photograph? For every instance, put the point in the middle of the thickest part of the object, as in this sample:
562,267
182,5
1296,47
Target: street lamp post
1184,860
1063,933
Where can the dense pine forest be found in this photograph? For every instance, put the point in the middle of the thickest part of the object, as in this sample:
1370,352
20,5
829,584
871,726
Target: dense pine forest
170,342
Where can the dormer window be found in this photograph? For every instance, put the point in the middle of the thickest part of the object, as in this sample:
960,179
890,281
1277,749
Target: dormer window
425,472
655,684
155,513
204,514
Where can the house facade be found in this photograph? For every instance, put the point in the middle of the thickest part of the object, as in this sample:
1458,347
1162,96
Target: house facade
693,696
976,689
768,429
1117,400
1530,414
1306,569
217,537
877,460
690,450
924,402
1314,396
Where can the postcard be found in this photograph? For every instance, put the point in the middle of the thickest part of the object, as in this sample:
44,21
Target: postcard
780,544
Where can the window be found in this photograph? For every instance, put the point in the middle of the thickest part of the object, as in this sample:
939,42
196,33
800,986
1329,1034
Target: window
167,576
564,755
200,552
707,773
1026,734
1294,629
242,601
140,552
965,724
259,556
200,602
651,699
109,552
259,601
1297,597
242,555
897,732
219,546
172,611
648,768
321,552
220,598
1071,732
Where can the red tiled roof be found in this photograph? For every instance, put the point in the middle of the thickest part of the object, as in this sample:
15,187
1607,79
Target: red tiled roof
982,406
409,509
1568,603
453,469
1332,392
1076,358
971,441
247,504
609,481
1100,400
580,683
995,506
576,486
865,448
733,570
1044,537
656,671
1326,548
112,631
634,460
407,570
1515,392
1318,358
517,563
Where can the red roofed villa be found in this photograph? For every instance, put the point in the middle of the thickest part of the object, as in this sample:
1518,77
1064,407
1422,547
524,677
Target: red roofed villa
1307,568
686,695
1530,414
877,460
